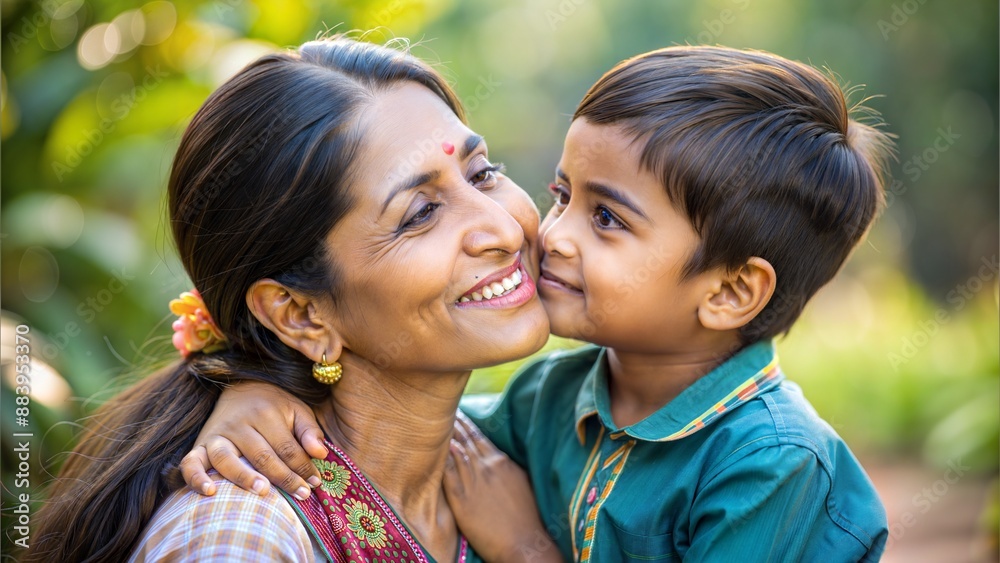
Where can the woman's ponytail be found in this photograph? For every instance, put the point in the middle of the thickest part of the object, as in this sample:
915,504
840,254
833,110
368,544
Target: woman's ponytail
110,486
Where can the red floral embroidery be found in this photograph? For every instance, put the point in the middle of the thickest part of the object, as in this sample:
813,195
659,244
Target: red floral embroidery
353,522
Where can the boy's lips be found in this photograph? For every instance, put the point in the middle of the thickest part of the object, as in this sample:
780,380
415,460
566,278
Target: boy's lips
547,279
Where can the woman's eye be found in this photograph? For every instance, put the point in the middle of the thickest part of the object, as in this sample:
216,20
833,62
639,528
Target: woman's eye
606,220
421,216
487,177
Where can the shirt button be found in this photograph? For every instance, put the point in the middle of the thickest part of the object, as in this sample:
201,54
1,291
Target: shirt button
592,495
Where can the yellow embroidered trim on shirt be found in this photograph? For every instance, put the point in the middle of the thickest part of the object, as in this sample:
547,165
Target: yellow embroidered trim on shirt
746,391
588,473
591,526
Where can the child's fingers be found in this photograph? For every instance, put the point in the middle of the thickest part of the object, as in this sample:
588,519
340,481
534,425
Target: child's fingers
457,470
463,463
288,466
469,427
475,440
464,418
454,487
311,438
194,468
466,436
225,458
306,429
461,433
268,463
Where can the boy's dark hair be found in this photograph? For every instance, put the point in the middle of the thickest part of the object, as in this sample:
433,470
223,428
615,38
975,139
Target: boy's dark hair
760,153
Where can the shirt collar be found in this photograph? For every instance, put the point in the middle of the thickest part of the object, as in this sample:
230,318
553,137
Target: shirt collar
739,379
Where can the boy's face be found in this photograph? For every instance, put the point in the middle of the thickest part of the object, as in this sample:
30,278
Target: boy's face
614,248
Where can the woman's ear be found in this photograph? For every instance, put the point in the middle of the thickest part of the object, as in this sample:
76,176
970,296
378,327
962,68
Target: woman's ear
296,319
737,297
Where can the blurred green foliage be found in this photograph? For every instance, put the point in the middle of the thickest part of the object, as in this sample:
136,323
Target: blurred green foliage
95,95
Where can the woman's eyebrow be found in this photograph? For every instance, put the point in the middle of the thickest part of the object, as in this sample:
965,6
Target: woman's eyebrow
470,145
419,179
410,183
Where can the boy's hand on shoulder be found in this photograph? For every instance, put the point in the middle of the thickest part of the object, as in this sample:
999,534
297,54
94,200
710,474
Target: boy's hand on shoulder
266,425
492,500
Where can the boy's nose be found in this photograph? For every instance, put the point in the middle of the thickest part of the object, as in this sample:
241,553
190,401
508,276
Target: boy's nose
554,236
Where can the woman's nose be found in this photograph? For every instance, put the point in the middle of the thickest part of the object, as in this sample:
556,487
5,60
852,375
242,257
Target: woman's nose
491,228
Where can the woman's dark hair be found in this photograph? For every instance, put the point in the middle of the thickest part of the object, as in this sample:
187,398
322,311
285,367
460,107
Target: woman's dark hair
761,154
261,176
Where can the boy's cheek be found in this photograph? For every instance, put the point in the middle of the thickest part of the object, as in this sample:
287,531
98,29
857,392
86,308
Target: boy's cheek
570,319
599,319
561,319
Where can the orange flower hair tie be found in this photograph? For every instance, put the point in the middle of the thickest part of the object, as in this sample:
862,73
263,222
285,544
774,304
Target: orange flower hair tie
194,330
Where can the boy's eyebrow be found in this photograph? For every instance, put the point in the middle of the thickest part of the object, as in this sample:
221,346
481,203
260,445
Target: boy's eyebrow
615,195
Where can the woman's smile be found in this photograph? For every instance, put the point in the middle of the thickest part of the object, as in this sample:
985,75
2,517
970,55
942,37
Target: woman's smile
509,287
416,256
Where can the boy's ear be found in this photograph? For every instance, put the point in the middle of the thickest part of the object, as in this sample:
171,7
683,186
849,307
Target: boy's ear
735,298
296,320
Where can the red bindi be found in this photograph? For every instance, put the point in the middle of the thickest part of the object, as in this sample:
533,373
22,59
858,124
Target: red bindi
449,149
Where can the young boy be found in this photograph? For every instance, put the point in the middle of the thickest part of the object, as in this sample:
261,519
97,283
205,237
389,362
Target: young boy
703,196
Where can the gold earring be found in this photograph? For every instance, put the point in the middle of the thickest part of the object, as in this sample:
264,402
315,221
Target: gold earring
327,374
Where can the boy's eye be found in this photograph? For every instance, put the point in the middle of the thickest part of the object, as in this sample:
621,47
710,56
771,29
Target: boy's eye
560,194
605,219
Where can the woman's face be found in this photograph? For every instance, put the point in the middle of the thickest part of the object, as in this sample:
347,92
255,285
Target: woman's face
436,261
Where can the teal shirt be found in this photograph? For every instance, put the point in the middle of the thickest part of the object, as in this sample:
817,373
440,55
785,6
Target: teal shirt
738,467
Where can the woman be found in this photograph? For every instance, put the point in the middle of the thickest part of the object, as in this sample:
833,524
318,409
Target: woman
337,216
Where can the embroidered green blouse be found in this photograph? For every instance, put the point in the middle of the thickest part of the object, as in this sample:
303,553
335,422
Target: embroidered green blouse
738,467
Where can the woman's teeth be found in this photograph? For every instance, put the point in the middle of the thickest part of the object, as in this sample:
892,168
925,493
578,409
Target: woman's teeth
495,289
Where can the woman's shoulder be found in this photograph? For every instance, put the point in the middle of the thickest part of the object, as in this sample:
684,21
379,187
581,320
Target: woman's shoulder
232,525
